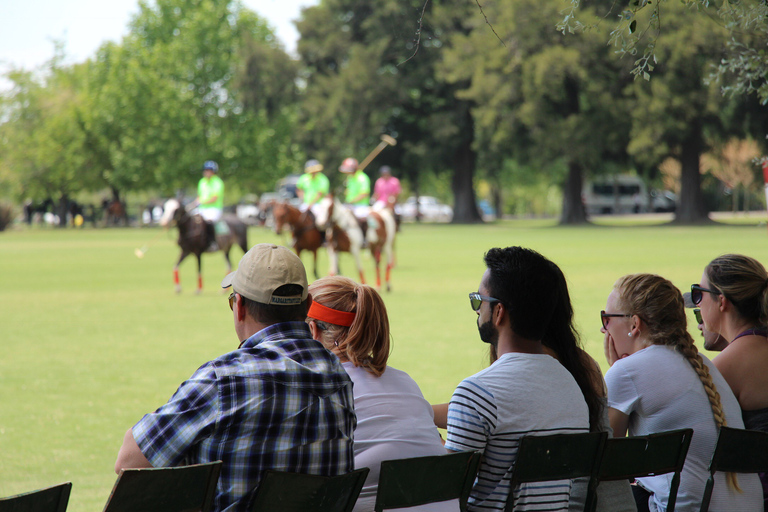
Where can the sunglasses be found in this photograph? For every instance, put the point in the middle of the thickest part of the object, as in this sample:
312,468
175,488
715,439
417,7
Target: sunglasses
697,293
476,300
232,301
605,317
697,314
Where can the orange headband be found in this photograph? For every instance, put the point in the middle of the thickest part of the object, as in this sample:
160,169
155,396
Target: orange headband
332,316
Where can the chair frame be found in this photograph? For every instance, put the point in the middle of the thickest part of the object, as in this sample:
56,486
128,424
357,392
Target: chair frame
57,496
278,490
417,481
631,457
737,451
167,485
565,456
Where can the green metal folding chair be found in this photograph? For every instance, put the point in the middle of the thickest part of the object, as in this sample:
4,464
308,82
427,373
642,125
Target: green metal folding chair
421,480
296,492
737,451
50,499
179,489
654,454
558,457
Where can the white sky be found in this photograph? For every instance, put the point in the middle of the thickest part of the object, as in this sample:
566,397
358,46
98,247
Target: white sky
29,27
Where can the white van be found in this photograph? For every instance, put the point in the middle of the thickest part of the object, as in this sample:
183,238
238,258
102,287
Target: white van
624,193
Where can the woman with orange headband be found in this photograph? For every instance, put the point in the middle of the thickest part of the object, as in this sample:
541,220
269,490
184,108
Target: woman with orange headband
394,421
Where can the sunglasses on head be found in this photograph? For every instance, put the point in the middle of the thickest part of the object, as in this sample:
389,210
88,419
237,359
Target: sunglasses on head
697,314
697,293
606,317
476,300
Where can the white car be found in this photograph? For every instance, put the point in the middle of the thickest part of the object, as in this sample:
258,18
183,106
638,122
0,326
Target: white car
430,210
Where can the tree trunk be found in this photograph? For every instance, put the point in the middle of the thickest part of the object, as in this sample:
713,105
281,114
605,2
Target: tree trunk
691,209
465,205
573,207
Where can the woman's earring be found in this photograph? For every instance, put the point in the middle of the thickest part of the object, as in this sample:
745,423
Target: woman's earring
629,334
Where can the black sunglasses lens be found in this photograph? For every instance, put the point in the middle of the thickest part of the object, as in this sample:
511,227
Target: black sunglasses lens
695,295
697,314
475,303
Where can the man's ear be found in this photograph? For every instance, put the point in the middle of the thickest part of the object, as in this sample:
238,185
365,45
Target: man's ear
499,314
240,309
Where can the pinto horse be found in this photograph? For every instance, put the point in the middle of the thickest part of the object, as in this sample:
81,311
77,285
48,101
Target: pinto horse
306,236
193,238
342,232
380,236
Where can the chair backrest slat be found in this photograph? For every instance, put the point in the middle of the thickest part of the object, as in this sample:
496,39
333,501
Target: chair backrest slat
654,454
296,492
178,489
50,499
737,451
420,480
558,457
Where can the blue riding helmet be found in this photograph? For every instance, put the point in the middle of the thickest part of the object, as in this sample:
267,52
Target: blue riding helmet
210,164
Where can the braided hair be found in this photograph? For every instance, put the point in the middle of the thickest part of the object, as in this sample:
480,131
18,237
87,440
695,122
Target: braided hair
660,305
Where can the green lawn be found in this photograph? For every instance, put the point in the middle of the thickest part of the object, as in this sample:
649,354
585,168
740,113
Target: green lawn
93,337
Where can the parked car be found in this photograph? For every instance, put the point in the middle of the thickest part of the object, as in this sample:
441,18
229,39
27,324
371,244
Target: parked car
430,209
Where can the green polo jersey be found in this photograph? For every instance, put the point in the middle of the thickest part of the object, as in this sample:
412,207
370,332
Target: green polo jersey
208,188
314,185
358,183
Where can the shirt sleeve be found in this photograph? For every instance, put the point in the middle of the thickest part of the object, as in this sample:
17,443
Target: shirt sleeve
471,417
167,435
622,393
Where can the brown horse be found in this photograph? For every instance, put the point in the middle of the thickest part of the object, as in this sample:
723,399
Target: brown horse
193,238
306,237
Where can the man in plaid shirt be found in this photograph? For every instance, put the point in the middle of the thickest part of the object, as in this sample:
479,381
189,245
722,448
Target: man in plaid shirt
280,401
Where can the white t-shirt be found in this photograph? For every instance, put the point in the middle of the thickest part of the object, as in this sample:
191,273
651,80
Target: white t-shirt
659,390
518,395
394,421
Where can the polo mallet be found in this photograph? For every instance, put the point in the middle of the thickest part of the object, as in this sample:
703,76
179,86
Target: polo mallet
144,248
386,140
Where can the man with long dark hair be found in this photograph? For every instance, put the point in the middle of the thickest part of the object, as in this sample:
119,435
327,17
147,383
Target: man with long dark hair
525,390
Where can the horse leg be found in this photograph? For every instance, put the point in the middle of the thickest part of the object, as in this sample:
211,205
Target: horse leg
314,256
176,281
377,261
229,263
333,256
355,250
199,273
390,257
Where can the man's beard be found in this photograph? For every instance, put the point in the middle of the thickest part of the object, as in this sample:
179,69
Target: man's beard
488,333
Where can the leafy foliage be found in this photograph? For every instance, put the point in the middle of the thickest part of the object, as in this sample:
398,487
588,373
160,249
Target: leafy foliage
743,69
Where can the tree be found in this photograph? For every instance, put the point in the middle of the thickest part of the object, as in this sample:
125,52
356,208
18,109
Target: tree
42,148
175,93
734,165
743,68
366,75
678,113
539,96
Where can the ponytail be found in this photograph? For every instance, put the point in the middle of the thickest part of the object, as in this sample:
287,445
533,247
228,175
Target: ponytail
366,341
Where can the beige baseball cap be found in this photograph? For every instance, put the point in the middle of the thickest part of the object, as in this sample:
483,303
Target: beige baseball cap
265,268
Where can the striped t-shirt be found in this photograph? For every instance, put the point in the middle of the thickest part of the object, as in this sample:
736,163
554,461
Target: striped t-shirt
518,395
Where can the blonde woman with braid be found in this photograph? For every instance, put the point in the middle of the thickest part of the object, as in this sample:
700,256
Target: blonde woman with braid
733,297
394,421
658,381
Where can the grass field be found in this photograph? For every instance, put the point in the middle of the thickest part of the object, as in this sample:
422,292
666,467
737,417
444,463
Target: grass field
93,337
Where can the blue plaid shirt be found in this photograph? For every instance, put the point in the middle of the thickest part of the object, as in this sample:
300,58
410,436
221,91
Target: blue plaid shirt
281,401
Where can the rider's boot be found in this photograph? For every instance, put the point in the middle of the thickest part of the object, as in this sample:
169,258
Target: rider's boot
211,232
